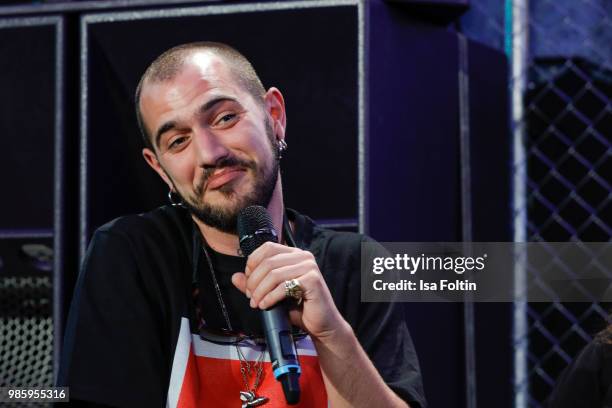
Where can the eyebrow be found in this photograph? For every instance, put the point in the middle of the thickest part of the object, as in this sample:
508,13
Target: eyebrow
167,126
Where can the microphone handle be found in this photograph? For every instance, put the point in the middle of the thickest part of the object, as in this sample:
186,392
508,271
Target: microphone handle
254,229
283,354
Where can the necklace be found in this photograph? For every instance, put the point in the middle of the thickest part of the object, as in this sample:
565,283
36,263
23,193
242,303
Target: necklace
248,397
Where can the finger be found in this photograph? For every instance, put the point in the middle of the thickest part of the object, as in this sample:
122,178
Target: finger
269,264
273,297
273,279
266,250
267,278
307,282
295,316
239,280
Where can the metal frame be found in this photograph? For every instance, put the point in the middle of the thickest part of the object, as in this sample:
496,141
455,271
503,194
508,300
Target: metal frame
26,233
341,223
516,44
466,212
58,164
89,19
92,5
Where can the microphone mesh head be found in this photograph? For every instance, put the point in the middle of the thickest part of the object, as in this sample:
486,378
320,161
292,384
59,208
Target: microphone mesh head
254,228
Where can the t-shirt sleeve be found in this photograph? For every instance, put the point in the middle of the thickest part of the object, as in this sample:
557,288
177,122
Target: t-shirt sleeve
383,333
113,348
580,385
380,327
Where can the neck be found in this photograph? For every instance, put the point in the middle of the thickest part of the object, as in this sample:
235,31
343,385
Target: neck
227,243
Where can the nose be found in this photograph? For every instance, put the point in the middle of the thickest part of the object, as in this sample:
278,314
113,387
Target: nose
208,148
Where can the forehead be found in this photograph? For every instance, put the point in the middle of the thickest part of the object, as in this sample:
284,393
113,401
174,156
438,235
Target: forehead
202,76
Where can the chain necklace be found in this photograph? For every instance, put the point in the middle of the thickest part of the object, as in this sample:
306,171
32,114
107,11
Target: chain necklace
249,397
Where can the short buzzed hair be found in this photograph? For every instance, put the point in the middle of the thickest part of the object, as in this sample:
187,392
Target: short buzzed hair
169,64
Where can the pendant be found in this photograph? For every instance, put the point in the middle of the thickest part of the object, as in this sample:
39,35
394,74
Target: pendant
249,399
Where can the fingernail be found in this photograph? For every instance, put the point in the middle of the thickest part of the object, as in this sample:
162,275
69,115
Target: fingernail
248,293
252,303
262,305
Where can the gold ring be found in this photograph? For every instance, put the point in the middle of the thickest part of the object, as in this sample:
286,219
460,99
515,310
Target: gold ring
294,290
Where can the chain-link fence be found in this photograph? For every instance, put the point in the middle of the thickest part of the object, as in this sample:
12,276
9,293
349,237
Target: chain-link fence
561,83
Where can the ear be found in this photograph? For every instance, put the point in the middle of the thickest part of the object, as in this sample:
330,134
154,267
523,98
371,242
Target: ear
275,107
152,161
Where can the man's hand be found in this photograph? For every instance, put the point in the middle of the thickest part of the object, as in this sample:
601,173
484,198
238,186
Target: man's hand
351,380
263,281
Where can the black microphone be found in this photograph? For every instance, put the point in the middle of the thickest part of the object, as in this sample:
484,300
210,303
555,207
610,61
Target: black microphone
254,228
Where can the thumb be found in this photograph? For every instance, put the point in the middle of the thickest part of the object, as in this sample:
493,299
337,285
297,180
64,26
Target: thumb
239,281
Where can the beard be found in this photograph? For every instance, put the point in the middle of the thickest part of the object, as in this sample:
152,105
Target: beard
224,217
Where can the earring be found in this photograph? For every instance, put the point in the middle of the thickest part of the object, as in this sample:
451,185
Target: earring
173,200
282,146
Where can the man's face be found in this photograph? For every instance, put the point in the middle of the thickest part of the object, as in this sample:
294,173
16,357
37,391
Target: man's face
214,144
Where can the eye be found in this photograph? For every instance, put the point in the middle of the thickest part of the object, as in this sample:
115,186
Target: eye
226,119
177,142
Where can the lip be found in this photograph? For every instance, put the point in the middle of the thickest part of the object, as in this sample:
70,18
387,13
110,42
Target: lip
223,177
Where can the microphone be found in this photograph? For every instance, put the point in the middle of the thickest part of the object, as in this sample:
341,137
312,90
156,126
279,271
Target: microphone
255,228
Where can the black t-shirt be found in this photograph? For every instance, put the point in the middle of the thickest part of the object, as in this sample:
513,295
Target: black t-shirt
587,382
243,318
135,291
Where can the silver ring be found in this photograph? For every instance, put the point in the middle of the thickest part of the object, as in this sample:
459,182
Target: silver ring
294,290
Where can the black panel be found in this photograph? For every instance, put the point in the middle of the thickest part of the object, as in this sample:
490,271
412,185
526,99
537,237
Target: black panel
413,168
490,144
438,11
27,126
309,54
414,189
413,146
25,257
490,164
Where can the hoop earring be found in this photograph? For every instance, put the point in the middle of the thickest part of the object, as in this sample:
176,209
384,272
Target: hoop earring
173,201
282,146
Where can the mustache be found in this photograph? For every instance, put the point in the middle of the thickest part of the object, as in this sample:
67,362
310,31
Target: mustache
226,161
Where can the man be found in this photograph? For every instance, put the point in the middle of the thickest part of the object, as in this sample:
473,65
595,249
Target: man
587,381
215,137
